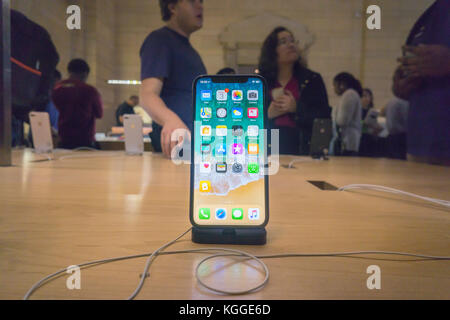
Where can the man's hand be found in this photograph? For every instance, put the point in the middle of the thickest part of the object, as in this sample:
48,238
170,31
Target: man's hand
403,85
170,125
426,61
160,113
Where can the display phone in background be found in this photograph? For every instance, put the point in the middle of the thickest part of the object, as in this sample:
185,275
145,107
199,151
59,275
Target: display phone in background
40,129
134,140
321,138
229,187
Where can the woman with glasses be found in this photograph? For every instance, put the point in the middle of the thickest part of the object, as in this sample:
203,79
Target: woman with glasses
297,94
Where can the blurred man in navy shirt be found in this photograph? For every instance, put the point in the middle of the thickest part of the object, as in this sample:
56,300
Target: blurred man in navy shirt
169,64
79,104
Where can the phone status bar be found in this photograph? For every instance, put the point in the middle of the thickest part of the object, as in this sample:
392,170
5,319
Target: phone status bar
208,81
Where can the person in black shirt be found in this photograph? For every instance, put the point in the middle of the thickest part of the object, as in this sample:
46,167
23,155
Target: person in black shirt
126,108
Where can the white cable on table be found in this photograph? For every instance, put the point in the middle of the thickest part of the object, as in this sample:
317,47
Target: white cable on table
149,262
68,153
95,155
444,203
301,160
238,253
47,157
235,253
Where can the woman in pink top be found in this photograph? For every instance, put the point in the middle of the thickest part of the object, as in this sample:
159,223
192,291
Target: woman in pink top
297,94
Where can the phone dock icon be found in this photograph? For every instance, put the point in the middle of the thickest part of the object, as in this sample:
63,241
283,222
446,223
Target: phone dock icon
204,213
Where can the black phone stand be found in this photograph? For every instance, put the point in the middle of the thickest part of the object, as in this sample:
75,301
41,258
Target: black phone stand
243,236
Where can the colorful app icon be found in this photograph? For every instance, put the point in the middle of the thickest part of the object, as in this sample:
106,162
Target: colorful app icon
205,167
237,213
205,186
205,148
237,167
205,113
221,149
221,131
205,131
221,95
252,95
252,113
237,95
221,213
252,131
253,167
253,213
236,113
237,148
237,131
204,214
221,167
221,113
206,95
253,148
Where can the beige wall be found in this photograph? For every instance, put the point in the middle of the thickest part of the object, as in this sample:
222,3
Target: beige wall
113,31
100,30
337,25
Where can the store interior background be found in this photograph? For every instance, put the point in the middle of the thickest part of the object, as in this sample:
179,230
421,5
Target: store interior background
332,34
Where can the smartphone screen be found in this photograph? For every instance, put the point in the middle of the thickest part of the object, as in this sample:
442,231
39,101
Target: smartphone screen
228,184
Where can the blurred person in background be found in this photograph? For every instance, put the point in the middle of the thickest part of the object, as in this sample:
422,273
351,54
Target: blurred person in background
169,65
127,107
33,62
370,145
226,71
396,113
423,79
347,114
79,105
297,95
366,102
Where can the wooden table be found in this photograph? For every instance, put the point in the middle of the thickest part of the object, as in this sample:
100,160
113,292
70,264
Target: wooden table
100,205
